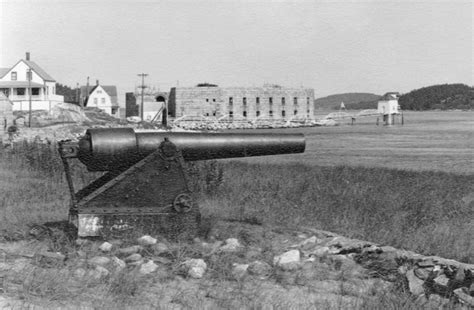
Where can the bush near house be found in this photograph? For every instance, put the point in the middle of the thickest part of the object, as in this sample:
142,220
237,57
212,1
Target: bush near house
70,94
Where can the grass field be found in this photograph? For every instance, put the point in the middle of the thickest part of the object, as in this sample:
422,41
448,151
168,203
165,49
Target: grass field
435,141
411,187
351,179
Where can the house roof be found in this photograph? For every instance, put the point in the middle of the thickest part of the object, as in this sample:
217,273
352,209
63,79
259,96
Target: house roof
34,66
3,71
39,71
111,90
19,84
390,96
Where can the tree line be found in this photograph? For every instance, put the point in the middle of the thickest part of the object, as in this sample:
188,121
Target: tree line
70,94
442,97
435,97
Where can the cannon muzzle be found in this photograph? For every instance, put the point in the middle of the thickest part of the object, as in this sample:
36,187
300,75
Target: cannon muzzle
107,149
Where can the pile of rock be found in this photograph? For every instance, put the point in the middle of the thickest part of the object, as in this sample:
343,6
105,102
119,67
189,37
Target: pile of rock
433,280
313,258
193,125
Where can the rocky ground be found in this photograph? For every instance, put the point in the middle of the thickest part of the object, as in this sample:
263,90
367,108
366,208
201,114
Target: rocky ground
68,121
235,265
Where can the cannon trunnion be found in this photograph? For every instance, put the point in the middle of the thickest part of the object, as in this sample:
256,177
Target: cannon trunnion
145,187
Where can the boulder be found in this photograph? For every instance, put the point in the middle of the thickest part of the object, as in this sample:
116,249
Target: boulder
231,245
130,250
148,267
146,240
441,280
460,275
423,273
133,258
463,295
310,240
288,261
426,263
160,248
118,263
414,283
116,242
106,247
239,270
136,263
319,251
196,267
99,260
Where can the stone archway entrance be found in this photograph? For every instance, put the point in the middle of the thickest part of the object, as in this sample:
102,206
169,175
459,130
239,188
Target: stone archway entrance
161,98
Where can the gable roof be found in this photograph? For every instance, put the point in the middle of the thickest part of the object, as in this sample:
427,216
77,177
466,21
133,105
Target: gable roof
111,90
39,70
3,71
34,66
390,96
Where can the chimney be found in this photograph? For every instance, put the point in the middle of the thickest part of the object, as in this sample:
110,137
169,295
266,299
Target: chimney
97,82
28,56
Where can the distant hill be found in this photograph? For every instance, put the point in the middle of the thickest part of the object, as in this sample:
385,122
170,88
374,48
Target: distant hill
351,101
443,97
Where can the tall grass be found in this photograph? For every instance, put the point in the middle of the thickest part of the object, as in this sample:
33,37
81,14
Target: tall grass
421,211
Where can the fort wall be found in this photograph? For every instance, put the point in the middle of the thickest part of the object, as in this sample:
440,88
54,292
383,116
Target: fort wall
268,102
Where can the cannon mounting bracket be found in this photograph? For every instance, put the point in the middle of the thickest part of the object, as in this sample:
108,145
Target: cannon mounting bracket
151,196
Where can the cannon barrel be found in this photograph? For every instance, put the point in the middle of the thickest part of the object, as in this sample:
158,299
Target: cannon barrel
107,149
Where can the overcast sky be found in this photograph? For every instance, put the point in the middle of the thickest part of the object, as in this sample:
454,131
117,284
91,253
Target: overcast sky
333,47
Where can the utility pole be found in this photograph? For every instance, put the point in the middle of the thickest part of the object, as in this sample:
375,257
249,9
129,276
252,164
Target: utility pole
78,98
29,96
143,89
87,92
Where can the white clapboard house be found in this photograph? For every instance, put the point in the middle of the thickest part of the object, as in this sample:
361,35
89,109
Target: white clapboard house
27,78
103,97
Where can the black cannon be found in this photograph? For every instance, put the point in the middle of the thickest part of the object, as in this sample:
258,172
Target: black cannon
145,187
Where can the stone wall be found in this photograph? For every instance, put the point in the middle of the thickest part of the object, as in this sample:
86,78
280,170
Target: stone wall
268,102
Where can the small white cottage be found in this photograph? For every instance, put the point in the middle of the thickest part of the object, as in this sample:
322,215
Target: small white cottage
103,97
388,107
